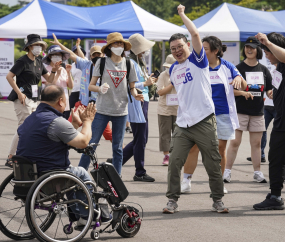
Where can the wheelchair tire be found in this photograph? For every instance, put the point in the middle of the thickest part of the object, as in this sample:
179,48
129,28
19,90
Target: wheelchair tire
124,229
39,196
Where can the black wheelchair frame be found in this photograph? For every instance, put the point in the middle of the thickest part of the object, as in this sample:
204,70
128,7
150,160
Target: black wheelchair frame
53,195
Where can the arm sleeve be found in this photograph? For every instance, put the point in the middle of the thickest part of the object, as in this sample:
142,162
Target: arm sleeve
82,64
96,69
61,130
268,79
160,82
18,67
200,60
133,75
44,70
234,71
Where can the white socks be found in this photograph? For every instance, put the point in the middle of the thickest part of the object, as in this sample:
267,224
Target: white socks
187,177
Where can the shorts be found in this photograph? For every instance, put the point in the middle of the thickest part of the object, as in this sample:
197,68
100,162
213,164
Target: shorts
225,130
251,123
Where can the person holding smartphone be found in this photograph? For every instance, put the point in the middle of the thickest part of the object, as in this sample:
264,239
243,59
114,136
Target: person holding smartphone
63,75
138,110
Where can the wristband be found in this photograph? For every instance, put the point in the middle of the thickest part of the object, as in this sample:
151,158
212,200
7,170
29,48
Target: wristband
53,72
132,88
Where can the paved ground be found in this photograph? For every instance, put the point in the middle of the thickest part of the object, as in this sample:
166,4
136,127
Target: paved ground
195,221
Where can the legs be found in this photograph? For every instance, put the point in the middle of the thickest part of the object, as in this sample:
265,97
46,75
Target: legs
118,130
192,160
255,143
233,149
222,151
98,126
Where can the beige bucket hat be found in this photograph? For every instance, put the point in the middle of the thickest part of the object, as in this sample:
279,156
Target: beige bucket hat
169,61
95,49
116,37
140,44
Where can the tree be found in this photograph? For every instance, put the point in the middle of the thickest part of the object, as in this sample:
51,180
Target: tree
91,3
5,9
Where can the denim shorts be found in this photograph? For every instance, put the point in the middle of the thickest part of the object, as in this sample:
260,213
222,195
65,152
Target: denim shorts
225,128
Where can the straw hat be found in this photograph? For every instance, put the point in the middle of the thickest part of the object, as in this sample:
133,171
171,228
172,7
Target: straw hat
140,44
169,61
116,37
95,49
34,39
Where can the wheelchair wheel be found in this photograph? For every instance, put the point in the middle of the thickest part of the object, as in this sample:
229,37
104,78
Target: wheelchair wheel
59,192
126,229
12,213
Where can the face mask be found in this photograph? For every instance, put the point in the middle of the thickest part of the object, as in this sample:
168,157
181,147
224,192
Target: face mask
36,50
146,53
117,50
95,59
56,58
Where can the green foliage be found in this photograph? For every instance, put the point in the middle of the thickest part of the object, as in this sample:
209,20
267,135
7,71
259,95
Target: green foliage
5,9
91,3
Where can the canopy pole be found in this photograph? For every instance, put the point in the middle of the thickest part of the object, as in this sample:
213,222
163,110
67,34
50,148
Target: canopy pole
163,55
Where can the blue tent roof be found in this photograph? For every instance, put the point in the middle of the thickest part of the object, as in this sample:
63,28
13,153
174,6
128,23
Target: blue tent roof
234,23
44,18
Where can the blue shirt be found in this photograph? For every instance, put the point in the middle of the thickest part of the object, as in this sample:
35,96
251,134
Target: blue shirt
84,65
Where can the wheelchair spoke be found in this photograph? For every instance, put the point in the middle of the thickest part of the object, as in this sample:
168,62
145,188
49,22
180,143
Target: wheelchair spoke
8,198
63,225
13,217
57,225
11,210
11,184
21,224
39,216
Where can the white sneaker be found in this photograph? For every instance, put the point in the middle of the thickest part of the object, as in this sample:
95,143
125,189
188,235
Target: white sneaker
259,177
185,186
227,176
225,190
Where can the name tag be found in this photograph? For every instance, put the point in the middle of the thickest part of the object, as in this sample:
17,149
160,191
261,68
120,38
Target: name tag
171,99
253,78
179,76
256,94
277,79
34,90
214,77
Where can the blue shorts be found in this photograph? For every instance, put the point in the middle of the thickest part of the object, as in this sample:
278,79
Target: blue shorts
225,128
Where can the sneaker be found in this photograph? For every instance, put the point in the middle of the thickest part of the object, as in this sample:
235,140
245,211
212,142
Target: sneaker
109,160
263,160
82,222
218,206
227,176
106,220
165,160
258,176
144,178
270,204
225,190
129,130
186,186
171,207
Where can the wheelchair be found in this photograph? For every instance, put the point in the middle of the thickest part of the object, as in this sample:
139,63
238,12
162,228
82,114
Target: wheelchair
46,206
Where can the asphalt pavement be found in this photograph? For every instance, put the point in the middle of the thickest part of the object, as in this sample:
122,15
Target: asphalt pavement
195,221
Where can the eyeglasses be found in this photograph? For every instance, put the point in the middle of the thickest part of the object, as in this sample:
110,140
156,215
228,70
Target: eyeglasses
118,43
178,48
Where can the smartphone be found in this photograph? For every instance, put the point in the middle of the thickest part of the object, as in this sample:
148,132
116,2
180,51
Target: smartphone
156,74
139,91
63,65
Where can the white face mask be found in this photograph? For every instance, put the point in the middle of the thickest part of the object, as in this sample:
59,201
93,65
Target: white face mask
36,50
117,50
56,58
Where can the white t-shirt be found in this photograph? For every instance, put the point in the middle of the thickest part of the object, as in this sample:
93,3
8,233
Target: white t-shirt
76,75
191,80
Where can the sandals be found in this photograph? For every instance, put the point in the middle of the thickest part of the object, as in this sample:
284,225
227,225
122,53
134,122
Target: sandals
9,163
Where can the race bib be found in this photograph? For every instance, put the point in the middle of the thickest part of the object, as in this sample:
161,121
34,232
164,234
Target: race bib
277,79
171,99
34,90
214,77
253,78
179,76
256,94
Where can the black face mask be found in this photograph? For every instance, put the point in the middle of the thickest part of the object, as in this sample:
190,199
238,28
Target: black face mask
95,59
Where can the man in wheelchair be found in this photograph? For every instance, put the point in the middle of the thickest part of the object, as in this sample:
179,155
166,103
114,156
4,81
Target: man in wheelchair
45,136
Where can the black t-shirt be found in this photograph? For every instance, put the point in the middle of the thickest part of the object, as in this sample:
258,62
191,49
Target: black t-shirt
279,101
28,73
253,107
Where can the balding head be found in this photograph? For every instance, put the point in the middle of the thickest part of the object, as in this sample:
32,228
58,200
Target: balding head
54,96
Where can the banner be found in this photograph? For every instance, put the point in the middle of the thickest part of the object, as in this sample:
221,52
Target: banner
6,63
232,53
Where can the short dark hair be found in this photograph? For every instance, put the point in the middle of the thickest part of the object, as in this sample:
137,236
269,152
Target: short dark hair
177,36
51,93
108,52
215,44
259,53
275,38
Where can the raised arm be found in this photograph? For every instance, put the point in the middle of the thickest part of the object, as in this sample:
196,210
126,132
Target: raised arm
277,51
196,41
79,51
56,42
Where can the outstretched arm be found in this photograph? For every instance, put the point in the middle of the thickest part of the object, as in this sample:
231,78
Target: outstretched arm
277,51
196,41
79,51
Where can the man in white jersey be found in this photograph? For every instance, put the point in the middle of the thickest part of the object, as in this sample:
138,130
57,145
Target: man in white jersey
196,122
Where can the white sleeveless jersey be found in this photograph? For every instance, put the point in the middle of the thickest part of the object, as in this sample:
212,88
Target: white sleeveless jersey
191,80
